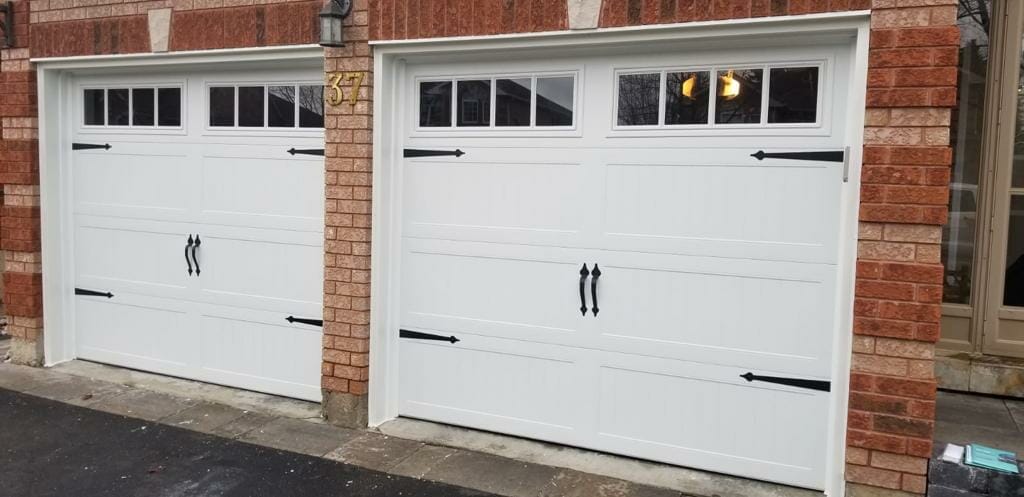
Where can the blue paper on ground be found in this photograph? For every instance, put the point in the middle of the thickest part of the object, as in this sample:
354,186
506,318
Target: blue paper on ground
987,457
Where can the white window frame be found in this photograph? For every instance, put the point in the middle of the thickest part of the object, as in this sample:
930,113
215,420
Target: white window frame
266,128
132,128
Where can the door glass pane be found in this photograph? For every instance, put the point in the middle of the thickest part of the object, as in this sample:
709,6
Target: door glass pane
94,108
250,106
222,106
474,101
638,99
555,101
143,101
169,106
739,96
1013,290
117,108
512,102
281,109
435,104
687,97
311,106
965,132
793,95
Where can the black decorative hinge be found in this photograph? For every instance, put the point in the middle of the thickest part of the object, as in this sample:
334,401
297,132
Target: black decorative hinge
307,151
414,152
89,146
417,335
93,293
829,156
311,322
824,386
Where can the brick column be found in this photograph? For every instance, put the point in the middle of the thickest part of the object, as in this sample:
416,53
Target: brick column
347,233
912,85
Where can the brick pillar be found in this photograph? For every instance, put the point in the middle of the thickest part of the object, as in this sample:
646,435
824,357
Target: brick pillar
349,150
19,215
911,86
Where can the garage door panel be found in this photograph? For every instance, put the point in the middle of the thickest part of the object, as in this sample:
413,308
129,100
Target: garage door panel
539,202
134,183
757,314
706,210
147,259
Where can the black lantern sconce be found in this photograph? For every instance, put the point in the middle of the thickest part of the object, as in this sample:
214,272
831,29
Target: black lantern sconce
331,19
7,9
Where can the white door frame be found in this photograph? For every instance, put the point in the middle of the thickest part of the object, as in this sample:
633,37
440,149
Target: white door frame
389,71
56,118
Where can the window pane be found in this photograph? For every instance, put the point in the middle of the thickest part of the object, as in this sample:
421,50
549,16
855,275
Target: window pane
687,97
555,101
959,232
512,102
142,106
474,103
739,96
311,106
435,104
94,109
169,106
793,95
250,106
117,107
1013,290
638,99
222,106
281,110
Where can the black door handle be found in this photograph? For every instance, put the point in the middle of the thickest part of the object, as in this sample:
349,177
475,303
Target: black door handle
593,287
187,261
194,258
583,293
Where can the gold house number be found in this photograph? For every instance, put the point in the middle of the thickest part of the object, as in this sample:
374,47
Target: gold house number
336,94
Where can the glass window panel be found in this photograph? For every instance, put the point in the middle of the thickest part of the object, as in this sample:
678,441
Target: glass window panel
117,107
143,106
738,97
250,106
169,106
94,109
281,106
222,106
793,95
512,102
958,235
638,99
474,100
555,101
311,106
435,104
687,97
1013,289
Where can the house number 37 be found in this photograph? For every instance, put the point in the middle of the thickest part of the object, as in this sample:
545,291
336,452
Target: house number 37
336,94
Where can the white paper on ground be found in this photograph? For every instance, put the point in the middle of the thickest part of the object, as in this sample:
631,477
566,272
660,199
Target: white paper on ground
953,453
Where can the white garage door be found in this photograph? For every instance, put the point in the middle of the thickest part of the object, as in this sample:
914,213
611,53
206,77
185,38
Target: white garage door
700,263
196,233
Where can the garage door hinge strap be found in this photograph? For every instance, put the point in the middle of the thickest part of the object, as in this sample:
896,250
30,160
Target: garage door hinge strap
824,386
89,146
93,293
417,335
311,322
307,151
827,156
413,152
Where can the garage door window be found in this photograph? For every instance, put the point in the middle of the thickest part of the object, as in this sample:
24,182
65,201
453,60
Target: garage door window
684,98
526,101
266,106
142,107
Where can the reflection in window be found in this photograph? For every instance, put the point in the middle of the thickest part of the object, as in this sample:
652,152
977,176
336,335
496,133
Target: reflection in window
435,104
793,95
222,106
1013,289
958,234
474,101
95,109
250,106
117,107
512,102
281,106
738,98
168,106
143,103
311,106
686,97
555,98
639,99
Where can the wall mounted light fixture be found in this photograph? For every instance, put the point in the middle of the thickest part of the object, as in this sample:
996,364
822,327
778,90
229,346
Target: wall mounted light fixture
331,20
7,9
